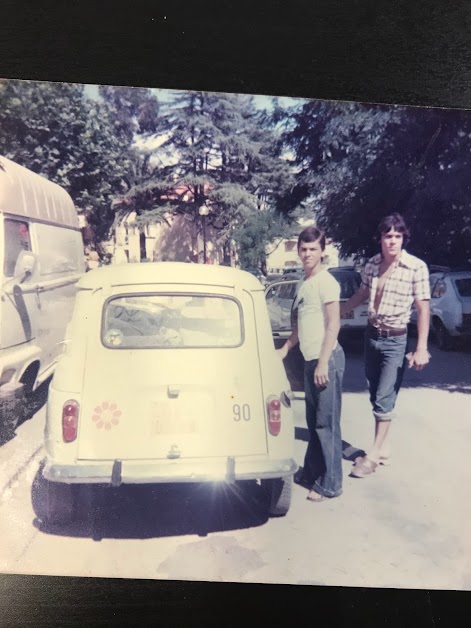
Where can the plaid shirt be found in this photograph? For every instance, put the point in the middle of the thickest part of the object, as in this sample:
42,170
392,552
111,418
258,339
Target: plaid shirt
409,281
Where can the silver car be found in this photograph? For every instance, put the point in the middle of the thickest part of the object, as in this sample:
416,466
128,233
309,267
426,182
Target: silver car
450,307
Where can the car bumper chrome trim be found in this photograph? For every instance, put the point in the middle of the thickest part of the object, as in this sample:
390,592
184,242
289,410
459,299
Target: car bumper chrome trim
228,469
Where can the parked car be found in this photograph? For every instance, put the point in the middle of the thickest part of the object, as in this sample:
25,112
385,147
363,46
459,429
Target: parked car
450,306
256,272
41,260
273,276
280,297
169,375
296,272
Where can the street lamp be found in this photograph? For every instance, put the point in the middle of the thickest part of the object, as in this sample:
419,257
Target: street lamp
203,212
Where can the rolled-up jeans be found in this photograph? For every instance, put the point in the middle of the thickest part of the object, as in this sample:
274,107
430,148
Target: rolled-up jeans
385,363
323,459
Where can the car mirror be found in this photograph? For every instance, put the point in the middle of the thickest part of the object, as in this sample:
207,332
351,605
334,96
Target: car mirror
25,265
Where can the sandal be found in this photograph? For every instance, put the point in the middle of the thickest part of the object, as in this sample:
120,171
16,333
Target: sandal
319,498
363,467
384,461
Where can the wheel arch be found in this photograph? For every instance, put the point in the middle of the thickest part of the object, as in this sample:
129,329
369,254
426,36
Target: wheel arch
30,374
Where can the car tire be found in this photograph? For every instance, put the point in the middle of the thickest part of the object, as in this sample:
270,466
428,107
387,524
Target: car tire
443,340
53,502
278,492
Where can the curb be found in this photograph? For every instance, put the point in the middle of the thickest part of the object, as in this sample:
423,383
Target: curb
22,469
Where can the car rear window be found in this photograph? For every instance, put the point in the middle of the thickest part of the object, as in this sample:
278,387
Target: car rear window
464,286
172,321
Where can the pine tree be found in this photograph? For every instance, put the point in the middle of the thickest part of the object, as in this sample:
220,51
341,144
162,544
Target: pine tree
217,150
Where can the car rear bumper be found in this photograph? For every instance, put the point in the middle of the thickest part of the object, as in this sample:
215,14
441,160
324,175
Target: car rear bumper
118,472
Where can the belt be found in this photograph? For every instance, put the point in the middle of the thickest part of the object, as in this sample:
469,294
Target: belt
385,333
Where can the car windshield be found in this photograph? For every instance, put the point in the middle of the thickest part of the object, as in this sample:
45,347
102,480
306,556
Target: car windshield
349,282
169,320
279,300
463,286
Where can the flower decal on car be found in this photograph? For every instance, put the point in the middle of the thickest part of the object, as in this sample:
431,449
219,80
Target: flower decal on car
106,415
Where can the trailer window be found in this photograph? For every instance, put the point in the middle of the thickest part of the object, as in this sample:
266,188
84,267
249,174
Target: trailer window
176,321
60,250
16,240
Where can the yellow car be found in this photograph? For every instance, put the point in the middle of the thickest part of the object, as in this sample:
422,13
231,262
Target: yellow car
169,374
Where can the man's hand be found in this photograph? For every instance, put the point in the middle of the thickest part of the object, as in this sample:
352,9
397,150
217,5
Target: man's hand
419,359
321,374
282,352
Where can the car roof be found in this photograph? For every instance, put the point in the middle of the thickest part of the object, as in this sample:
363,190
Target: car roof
168,273
342,269
26,194
459,274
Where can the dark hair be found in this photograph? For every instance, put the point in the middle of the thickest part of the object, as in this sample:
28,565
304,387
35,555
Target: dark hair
394,221
312,234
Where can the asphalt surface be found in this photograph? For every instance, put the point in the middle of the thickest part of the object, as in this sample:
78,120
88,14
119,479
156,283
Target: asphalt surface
406,526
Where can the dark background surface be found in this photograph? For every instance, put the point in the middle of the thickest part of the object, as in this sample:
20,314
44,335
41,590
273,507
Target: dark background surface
416,52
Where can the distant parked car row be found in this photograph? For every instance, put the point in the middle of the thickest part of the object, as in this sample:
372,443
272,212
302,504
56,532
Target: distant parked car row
450,304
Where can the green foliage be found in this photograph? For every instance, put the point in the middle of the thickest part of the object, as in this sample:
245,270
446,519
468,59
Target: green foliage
358,163
83,145
260,230
218,150
344,164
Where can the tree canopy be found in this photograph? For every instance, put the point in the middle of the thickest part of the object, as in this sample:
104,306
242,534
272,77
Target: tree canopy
83,144
346,165
358,163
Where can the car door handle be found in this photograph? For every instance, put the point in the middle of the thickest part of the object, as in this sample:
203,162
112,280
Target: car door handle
39,289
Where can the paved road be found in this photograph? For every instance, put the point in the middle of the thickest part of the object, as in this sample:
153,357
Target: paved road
406,526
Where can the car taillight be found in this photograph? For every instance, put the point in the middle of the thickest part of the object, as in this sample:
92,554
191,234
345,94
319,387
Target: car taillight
274,415
70,415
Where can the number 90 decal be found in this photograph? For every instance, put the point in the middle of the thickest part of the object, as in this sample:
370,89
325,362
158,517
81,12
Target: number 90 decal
241,412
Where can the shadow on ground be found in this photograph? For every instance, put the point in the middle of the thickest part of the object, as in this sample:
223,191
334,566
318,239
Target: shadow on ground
162,510
349,452
23,409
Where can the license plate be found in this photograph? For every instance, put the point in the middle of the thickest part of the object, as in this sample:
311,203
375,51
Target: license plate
348,315
168,418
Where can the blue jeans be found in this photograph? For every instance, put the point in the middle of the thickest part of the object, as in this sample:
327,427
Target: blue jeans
385,363
323,459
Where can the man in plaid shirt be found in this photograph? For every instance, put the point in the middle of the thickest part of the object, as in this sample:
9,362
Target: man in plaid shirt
391,282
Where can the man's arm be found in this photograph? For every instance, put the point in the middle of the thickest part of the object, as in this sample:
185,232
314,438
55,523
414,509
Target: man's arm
289,344
421,355
332,322
359,297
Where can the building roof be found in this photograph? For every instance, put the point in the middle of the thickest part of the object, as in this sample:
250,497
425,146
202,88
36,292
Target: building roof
27,194
168,273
